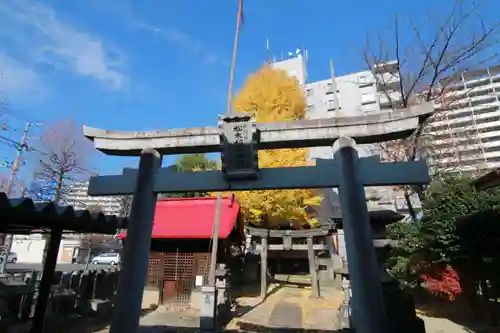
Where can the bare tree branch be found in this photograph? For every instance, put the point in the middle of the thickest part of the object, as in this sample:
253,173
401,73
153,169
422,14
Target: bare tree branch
65,157
125,204
427,67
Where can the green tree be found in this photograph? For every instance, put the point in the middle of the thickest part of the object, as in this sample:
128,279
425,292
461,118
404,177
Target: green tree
195,162
434,239
191,163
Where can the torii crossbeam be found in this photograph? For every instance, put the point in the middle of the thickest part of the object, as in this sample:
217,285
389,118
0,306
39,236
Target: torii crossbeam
325,174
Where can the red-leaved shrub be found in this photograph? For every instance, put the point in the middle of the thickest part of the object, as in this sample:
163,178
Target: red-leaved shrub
442,282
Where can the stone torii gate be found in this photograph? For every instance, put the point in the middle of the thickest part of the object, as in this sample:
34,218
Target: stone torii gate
238,138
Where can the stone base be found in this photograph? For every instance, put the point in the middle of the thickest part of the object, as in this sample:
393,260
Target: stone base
400,310
94,307
101,308
344,316
150,298
196,299
20,328
208,309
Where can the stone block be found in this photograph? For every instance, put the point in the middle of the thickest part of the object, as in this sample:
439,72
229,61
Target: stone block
101,308
150,297
196,299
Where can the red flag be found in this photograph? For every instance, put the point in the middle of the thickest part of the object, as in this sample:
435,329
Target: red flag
240,11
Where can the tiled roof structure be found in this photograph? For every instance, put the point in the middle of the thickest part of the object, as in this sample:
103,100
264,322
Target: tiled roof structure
23,216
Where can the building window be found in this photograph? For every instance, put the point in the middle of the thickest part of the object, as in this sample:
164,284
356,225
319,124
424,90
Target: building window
367,98
310,92
332,106
310,108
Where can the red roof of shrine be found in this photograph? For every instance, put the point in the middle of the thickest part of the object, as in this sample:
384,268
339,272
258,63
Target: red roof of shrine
193,218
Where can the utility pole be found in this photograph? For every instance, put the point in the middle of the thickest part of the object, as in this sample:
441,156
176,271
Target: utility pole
21,146
17,162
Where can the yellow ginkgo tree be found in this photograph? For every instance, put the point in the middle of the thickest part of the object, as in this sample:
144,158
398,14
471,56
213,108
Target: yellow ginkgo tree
271,95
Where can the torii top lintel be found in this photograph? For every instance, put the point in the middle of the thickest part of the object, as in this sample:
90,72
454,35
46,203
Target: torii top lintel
365,129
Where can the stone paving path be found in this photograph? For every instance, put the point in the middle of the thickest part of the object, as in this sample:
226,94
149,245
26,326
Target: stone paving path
285,315
289,308
163,322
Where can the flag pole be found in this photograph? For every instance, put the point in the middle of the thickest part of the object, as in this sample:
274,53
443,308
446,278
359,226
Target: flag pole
239,22
229,112
208,313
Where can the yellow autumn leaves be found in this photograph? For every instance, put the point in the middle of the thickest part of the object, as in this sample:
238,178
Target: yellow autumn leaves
270,95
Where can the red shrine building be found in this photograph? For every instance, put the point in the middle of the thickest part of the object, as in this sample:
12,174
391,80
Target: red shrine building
179,259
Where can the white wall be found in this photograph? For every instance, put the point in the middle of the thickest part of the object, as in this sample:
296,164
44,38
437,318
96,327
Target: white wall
29,249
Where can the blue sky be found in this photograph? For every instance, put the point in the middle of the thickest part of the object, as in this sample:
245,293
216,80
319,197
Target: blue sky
123,64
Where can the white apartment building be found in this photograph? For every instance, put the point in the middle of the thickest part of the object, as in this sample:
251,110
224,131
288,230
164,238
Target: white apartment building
351,95
465,131
348,95
78,198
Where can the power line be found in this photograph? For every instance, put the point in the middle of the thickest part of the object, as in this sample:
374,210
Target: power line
21,146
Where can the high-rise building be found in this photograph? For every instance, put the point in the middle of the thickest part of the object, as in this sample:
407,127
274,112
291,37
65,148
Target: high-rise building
348,95
465,131
77,197
351,95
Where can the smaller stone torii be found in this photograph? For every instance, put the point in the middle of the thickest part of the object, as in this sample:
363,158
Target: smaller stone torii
238,138
287,237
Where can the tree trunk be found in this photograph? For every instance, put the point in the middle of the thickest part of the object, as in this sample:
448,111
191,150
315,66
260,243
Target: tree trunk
57,197
411,210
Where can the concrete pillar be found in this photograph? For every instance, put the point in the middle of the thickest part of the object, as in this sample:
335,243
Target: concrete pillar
368,308
49,267
335,259
263,268
312,267
128,300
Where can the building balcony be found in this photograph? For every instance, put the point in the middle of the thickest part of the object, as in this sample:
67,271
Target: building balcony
388,84
390,99
386,67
